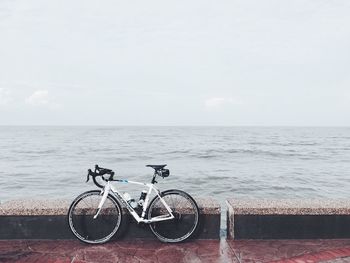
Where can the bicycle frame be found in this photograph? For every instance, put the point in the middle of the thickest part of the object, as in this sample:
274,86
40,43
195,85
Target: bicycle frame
109,188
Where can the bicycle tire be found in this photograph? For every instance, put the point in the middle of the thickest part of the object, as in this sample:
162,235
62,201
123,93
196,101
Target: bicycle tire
185,210
90,230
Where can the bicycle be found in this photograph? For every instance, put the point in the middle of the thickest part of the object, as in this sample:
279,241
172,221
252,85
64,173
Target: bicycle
95,216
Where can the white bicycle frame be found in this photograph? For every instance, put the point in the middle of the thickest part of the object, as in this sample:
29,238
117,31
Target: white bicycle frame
109,188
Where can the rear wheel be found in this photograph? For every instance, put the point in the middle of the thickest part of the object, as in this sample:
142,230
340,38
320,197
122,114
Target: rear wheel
185,211
81,218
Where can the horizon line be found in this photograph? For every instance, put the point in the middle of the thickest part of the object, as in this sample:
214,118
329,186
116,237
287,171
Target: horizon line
180,125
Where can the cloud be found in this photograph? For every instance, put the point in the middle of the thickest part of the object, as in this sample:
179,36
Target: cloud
41,98
5,97
218,102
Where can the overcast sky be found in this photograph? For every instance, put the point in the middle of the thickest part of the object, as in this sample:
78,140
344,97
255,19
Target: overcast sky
187,62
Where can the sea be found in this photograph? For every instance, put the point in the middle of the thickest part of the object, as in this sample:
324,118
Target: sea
39,162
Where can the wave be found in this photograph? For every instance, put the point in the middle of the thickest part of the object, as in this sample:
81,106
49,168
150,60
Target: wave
221,153
31,152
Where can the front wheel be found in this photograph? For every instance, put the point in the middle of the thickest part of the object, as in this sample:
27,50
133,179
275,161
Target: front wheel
185,211
94,230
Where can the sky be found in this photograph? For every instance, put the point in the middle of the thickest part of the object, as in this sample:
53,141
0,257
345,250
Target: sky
251,62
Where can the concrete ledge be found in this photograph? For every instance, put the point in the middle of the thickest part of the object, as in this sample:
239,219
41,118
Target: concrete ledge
288,219
47,219
35,207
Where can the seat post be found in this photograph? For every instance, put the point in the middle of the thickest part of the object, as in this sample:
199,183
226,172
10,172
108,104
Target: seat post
154,177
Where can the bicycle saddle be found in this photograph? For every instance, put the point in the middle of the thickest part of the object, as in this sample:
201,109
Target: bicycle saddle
156,167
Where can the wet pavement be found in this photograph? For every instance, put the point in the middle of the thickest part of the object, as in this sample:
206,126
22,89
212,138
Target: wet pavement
192,251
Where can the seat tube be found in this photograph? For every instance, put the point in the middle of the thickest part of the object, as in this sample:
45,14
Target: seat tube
145,204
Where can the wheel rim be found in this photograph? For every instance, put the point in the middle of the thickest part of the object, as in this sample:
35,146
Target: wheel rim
182,226
91,230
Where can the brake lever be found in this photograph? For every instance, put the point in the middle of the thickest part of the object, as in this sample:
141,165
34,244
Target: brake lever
111,176
88,176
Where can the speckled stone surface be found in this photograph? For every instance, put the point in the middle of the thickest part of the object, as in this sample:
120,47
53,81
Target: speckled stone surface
27,207
289,206
208,206
198,251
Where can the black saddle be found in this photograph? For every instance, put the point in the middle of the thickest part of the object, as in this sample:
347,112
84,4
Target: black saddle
156,167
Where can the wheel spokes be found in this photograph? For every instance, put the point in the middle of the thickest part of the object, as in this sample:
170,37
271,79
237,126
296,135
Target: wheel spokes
91,230
182,226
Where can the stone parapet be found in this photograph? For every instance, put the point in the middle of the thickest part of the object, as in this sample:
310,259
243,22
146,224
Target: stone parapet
47,219
288,218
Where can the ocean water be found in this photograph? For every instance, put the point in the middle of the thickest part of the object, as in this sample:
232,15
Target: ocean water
221,162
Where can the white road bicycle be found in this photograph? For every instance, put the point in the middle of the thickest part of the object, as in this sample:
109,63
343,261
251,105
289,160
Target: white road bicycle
95,216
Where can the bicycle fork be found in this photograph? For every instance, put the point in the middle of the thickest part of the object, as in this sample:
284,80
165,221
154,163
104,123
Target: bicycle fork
104,194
